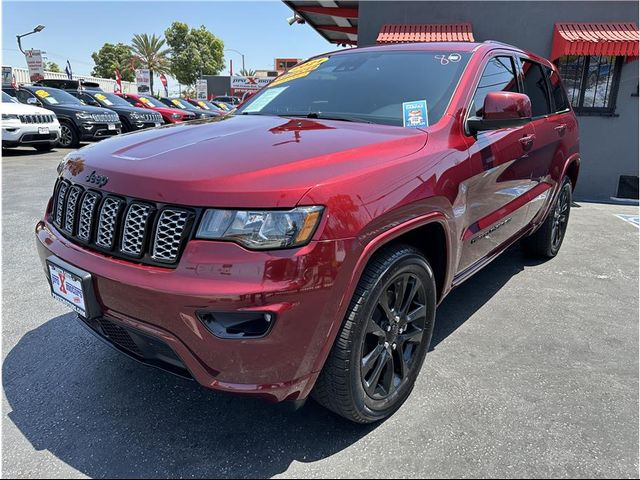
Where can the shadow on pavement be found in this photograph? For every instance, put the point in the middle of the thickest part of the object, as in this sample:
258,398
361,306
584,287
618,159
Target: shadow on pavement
107,416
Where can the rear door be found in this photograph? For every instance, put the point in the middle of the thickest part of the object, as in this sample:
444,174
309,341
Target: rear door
500,174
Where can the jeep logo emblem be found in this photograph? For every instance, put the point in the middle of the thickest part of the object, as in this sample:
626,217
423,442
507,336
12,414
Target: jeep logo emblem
99,180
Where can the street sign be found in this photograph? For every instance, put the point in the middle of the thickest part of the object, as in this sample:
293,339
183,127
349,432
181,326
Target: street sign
143,80
201,89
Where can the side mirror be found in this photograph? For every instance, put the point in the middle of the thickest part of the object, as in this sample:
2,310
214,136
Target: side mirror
32,101
502,110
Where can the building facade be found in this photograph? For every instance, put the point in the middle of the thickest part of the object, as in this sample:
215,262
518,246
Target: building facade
603,87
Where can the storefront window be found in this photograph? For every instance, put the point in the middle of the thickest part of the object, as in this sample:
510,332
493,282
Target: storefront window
591,82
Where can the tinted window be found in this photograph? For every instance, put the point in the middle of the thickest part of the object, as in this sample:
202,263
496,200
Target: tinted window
535,86
22,95
363,86
558,94
498,76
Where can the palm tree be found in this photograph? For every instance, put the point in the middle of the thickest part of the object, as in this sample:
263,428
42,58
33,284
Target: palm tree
247,72
149,52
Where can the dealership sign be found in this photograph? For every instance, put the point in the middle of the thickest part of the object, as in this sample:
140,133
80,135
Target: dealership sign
143,80
35,64
7,76
201,89
248,84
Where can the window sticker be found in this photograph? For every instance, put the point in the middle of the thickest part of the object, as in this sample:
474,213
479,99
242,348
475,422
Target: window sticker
176,102
414,114
145,100
299,71
265,99
203,105
103,99
42,93
450,58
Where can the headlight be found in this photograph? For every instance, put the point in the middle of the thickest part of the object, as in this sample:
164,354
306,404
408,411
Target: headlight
84,116
176,116
9,116
261,229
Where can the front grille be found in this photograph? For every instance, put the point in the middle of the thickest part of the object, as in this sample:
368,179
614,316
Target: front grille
36,118
104,117
123,227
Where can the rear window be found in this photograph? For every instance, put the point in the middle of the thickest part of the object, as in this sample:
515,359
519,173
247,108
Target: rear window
364,86
535,86
558,94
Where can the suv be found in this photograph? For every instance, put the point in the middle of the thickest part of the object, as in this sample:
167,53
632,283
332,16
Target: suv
132,118
25,125
77,121
169,115
300,246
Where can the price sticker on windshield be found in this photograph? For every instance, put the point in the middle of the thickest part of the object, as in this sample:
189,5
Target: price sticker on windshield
42,93
414,114
299,71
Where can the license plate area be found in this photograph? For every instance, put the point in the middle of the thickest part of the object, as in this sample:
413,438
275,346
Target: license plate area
111,126
43,130
73,287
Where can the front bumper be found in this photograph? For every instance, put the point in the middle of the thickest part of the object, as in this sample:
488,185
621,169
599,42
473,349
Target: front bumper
98,131
17,134
303,288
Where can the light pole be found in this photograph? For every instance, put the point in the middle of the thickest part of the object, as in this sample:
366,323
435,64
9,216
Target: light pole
37,29
239,53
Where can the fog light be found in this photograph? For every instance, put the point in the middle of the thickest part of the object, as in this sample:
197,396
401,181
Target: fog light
237,324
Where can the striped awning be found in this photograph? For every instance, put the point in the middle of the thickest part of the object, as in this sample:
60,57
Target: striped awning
432,32
618,39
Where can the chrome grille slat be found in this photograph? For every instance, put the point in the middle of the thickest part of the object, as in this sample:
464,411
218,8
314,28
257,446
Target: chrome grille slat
62,193
36,118
133,233
168,235
70,208
107,222
87,211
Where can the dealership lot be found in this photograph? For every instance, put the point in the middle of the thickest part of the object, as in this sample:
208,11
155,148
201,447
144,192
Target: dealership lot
533,372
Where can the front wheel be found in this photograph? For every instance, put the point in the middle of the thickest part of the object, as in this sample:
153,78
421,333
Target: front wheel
547,240
69,137
381,346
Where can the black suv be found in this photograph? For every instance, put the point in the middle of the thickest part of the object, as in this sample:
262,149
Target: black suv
132,118
77,121
182,104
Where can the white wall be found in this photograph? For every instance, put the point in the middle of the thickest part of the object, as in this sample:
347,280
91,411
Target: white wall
107,84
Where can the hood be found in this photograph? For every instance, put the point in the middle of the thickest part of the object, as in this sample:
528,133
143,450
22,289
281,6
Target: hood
24,109
73,108
239,161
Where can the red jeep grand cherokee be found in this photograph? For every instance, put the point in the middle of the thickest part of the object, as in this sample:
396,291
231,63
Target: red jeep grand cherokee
300,246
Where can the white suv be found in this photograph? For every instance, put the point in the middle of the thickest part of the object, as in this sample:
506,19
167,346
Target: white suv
26,125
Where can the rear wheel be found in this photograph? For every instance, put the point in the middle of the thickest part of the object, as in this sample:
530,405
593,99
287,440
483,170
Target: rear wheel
547,240
381,346
69,137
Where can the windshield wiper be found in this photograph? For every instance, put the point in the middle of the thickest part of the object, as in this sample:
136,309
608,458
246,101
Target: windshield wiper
328,116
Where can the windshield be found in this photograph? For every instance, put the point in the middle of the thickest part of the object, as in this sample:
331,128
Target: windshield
6,98
365,86
53,96
182,104
109,99
151,102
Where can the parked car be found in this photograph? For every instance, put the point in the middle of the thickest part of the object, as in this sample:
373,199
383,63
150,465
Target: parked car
230,99
169,115
182,104
65,84
78,122
208,106
301,245
132,118
25,125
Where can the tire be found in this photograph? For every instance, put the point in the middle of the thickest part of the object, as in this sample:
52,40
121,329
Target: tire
126,126
69,137
364,379
547,240
47,147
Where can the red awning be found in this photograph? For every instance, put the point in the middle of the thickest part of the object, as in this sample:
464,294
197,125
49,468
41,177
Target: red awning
619,39
448,32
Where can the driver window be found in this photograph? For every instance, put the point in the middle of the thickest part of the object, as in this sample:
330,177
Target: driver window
23,95
498,76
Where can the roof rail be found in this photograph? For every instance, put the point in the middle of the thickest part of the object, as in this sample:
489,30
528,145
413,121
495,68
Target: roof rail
497,42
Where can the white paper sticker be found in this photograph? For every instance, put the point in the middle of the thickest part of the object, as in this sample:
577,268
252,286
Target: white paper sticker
264,99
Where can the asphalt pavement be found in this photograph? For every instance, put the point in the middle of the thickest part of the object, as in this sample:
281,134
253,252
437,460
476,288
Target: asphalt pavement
533,373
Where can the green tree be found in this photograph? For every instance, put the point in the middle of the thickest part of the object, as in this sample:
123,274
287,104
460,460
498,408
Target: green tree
247,72
150,54
111,57
194,52
52,67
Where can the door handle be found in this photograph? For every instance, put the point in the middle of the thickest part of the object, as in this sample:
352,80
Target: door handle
561,129
527,141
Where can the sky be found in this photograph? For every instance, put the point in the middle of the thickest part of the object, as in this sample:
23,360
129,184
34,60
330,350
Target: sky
76,29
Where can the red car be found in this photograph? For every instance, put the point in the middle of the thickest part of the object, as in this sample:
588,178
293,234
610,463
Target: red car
300,246
169,115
